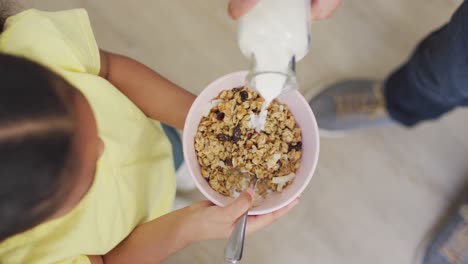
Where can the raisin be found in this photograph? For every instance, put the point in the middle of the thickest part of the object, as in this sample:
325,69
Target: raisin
228,162
299,145
223,137
236,134
244,96
296,147
249,135
220,116
237,89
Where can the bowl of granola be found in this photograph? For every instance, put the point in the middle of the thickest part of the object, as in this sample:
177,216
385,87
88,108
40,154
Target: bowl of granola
226,150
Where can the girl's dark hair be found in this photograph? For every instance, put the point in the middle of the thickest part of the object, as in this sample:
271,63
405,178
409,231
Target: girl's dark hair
36,136
6,8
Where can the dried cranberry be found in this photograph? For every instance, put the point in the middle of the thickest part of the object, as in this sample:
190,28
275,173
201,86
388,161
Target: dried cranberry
220,116
296,147
236,134
244,96
223,137
249,135
228,162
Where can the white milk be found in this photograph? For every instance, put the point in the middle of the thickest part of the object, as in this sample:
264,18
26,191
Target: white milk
271,35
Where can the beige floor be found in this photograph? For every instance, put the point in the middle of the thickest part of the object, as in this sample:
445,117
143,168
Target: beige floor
375,194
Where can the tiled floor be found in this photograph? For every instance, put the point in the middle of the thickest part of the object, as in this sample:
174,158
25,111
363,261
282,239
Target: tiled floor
375,194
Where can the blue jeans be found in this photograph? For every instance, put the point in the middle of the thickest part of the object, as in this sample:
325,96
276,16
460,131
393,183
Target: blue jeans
432,82
435,78
176,143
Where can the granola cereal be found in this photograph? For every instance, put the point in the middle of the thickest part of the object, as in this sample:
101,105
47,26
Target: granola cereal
232,154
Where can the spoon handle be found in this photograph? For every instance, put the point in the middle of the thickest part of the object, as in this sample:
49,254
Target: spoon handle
235,245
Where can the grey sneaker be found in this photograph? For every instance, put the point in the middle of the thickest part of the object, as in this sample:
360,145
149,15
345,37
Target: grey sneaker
449,245
350,105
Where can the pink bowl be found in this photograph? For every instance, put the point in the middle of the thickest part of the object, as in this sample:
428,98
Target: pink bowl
310,144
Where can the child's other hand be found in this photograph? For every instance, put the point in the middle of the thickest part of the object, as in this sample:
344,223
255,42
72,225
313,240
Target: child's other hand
206,221
320,9
154,241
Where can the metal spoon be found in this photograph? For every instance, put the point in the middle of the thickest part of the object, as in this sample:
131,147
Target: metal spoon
235,245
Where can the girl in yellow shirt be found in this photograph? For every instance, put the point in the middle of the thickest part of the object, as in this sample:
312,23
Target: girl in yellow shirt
86,173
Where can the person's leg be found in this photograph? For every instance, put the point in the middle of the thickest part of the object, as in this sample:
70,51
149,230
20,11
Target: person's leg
184,180
432,82
435,78
176,143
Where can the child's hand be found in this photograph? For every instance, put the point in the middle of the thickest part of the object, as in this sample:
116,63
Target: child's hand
206,221
154,241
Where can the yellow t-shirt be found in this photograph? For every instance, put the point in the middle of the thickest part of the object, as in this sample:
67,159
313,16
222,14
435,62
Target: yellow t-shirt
134,180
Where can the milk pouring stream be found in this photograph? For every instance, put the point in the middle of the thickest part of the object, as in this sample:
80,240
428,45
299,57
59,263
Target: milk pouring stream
274,35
